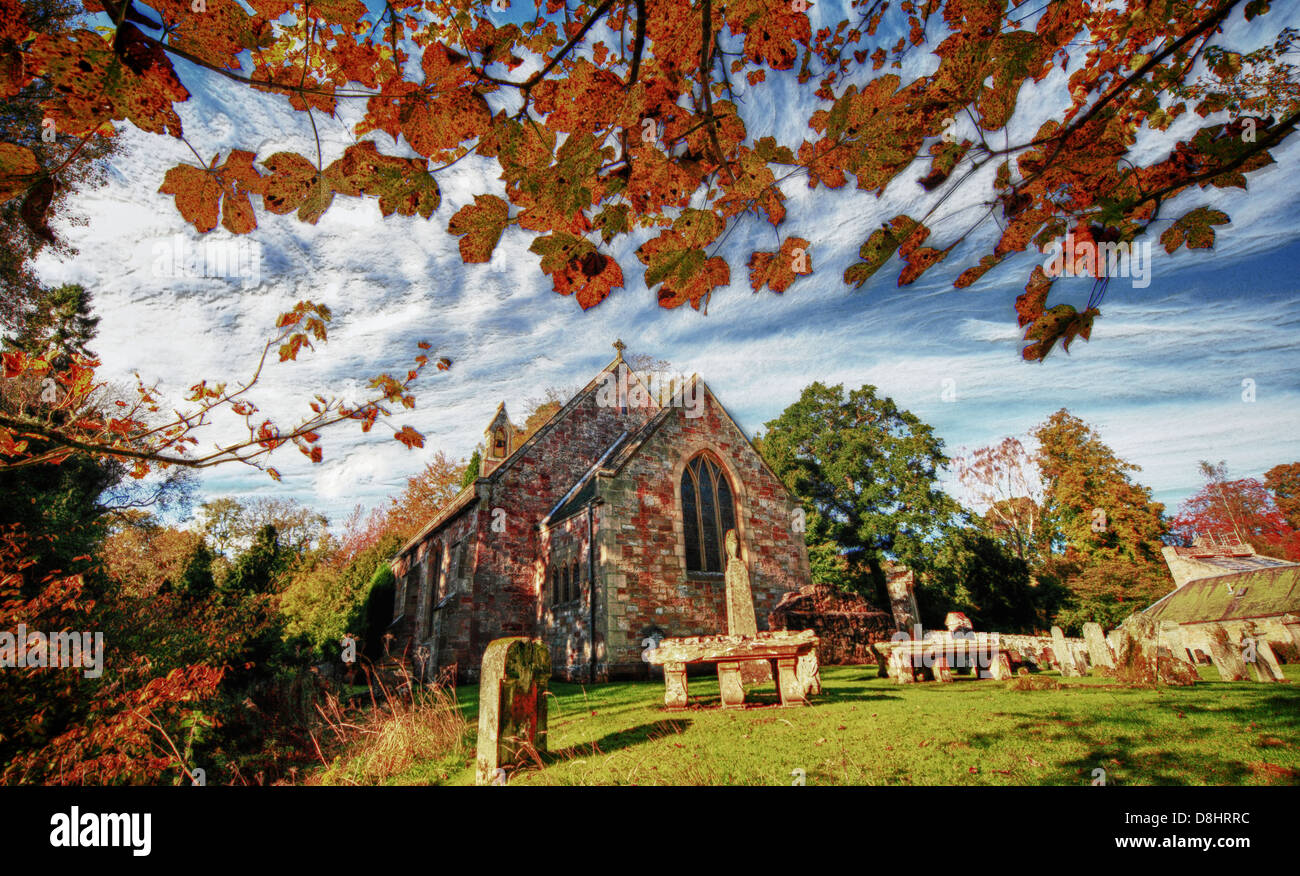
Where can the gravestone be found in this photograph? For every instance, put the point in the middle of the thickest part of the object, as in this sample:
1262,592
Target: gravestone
1224,654
512,705
740,611
1064,655
1098,648
1171,635
1265,665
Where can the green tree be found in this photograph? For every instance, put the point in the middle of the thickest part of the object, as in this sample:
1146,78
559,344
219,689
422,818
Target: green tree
257,569
866,473
196,581
472,470
974,573
57,326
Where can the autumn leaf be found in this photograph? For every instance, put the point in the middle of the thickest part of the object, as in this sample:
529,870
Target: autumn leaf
97,85
676,259
777,270
18,169
479,226
403,185
1062,323
198,191
589,279
1030,305
295,184
1193,228
410,437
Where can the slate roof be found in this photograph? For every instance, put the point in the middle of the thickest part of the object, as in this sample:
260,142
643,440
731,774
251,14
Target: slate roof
1238,595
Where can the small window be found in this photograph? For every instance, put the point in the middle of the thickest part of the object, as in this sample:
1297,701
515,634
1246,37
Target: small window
499,444
577,581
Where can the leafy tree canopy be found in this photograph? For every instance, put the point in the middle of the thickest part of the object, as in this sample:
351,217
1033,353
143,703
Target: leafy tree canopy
867,474
630,122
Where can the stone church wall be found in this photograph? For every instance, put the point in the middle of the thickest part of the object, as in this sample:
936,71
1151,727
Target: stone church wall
643,549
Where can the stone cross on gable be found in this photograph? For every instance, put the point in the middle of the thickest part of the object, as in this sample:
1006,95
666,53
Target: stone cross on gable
620,347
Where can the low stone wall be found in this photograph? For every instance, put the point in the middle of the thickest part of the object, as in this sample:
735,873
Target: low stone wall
846,624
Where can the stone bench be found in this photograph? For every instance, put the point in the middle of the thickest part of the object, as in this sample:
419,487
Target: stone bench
793,656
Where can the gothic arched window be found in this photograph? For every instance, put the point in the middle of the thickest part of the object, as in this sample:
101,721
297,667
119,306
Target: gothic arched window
707,514
499,444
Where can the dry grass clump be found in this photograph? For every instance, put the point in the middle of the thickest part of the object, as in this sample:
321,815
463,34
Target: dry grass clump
1033,682
408,723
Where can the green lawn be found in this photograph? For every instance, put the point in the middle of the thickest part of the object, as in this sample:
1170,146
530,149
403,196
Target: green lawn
866,730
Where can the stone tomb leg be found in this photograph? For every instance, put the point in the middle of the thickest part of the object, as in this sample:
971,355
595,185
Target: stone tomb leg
730,683
675,696
793,690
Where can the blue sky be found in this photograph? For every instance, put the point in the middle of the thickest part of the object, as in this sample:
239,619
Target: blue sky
1162,377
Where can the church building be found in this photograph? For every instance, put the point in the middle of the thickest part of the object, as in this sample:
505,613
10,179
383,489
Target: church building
602,529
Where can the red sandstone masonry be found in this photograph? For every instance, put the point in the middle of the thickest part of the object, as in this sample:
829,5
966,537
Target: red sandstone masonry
641,585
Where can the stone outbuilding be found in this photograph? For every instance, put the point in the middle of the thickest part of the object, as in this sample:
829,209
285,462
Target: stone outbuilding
1230,584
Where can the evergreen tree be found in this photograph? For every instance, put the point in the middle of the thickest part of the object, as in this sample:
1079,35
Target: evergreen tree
472,470
58,326
257,568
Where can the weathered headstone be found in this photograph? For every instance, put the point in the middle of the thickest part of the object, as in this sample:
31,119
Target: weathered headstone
511,705
1001,666
940,668
1064,656
1171,635
1265,665
740,612
900,584
1098,648
1225,654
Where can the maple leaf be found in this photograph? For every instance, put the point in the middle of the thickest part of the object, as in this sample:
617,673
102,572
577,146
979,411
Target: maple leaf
777,270
96,84
902,235
481,223
753,186
1030,305
676,259
199,191
403,185
771,31
589,279
18,170
1193,228
577,269
295,184
1062,323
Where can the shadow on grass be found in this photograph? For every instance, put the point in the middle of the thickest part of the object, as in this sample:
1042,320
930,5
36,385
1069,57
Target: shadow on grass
1122,742
611,742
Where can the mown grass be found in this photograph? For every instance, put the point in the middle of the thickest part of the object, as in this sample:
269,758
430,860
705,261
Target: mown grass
865,730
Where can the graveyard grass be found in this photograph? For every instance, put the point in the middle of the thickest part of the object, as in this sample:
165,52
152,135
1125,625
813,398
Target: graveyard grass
865,730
